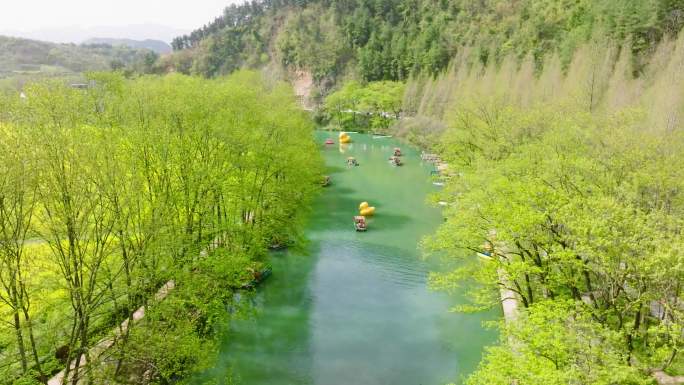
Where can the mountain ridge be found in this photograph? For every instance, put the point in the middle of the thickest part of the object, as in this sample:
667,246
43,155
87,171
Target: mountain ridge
157,46
78,35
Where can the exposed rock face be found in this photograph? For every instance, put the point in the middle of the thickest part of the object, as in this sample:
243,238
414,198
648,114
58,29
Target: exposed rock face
303,84
665,379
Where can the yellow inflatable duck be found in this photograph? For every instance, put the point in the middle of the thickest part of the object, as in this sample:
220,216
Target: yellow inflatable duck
344,137
366,210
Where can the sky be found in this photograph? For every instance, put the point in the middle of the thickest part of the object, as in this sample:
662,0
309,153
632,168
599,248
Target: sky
35,15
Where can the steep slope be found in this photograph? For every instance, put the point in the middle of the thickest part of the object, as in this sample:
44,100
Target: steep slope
394,39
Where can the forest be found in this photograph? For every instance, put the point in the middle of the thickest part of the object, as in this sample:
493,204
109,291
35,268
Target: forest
169,185
395,39
568,183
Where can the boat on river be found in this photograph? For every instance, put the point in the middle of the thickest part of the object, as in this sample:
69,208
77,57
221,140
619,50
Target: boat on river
258,275
395,161
329,141
397,151
344,137
351,161
360,223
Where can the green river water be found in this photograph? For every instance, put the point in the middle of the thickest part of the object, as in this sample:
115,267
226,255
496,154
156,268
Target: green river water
355,307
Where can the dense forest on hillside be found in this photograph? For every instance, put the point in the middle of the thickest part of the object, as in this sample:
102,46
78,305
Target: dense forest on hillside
394,39
169,185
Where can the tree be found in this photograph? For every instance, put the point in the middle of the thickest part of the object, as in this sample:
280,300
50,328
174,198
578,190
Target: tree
18,199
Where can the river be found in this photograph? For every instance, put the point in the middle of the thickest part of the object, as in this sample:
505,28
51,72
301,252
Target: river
354,308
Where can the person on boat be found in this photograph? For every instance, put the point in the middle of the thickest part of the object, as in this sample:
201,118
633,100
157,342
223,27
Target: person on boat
360,223
487,249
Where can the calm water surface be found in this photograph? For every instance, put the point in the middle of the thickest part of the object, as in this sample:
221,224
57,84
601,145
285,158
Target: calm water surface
355,307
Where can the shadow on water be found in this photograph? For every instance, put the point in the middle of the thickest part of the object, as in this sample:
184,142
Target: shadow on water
354,308
272,346
331,170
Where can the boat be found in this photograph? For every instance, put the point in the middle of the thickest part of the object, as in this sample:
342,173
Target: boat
395,161
329,141
351,161
360,223
486,253
258,275
378,136
367,211
344,137
397,151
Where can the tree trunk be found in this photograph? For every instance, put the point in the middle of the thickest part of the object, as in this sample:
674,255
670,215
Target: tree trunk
32,340
634,332
20,341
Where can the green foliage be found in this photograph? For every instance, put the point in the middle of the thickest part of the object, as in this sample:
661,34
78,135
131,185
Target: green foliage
311,39
128,185
394,39
371,107
556,343
577,213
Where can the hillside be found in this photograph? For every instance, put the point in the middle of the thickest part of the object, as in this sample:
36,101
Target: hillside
395,39
32,58
157,46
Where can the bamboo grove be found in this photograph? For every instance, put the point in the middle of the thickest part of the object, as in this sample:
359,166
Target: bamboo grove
107,193
571,180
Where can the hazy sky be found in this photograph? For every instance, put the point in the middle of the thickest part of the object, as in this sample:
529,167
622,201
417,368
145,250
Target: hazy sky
29,15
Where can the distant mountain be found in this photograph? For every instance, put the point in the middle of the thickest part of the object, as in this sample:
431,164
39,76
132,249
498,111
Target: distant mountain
77,35
157,46
24,57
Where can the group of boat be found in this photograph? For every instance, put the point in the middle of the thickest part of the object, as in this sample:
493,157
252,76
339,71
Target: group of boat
365,210
258,272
